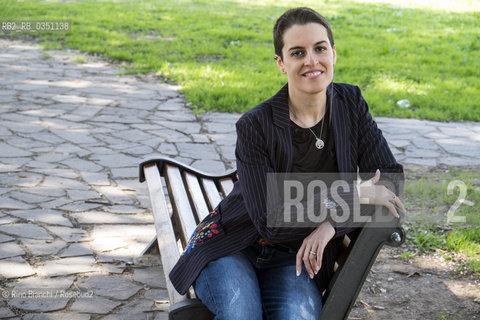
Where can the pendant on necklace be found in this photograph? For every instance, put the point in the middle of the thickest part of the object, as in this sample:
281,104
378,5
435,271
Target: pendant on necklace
319,144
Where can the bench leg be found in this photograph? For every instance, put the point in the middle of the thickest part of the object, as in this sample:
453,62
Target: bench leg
152,245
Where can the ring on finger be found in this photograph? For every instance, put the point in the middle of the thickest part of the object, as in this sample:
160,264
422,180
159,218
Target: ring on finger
313,253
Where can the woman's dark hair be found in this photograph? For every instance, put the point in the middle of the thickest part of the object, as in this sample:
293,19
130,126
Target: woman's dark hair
299,16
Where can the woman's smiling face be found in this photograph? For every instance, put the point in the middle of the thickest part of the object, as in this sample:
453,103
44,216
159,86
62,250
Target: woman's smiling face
308,58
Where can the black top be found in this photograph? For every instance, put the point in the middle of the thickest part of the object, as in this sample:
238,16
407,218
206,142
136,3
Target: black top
306,156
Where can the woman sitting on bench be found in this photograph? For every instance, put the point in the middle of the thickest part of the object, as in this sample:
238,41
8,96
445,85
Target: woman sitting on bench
241,267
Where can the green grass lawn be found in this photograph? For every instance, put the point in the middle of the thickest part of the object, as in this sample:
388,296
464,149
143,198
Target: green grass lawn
221,52
428,201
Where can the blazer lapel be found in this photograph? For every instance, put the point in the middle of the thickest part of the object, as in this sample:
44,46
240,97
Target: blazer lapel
342,133
281,120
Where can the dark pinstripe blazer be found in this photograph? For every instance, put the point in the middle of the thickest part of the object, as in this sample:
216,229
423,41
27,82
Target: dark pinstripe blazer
264,144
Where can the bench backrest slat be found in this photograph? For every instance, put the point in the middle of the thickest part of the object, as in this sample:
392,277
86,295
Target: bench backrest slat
196,195
167,242
226,186
211,192
180,202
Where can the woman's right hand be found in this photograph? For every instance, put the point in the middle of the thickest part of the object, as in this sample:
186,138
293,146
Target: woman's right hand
370,193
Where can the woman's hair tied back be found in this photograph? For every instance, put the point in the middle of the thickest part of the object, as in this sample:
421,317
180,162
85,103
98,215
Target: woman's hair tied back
300,16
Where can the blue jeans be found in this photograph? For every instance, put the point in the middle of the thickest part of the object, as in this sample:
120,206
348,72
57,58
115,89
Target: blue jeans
258,283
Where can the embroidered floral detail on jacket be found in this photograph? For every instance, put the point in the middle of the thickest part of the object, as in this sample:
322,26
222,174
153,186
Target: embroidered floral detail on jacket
204,231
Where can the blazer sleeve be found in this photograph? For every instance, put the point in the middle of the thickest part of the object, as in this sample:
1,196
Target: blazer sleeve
374,152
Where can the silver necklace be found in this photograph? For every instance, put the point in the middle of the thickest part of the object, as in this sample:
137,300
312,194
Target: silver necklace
319,142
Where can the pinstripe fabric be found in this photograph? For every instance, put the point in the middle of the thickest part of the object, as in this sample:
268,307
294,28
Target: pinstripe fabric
264,144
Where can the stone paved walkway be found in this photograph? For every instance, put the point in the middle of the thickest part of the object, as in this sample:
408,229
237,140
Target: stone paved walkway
73,217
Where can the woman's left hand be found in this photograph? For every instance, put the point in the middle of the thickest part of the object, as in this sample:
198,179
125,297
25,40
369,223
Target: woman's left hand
311,251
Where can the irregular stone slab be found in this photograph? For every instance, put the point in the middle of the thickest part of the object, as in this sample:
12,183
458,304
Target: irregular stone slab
39,304
73,99
106,243
19,117
458,161
10,249
47,191
115,161
22,179
67,266
98,217
460,146
54,204
15,268
170,135
114,194
423,143
168,149
48,216
421,162
97,305
222,117
115,287
28,197
124,209
121,173
23,128
6,313
44,247
139,150
51,157
457,130
134,234
152,277
117,267
200,138
70,149
56,316
219,127
185,127
223,139
162,315
82,165
83,195
421,153
96,178
47,137
78,206
77,249
5,238
157,294
132,135
69,234
9,203
62,183
26,230
7,220
137,308
209,166
62,283
199,151
16,161
12,152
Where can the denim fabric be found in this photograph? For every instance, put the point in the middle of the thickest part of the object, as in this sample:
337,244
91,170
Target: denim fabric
257,283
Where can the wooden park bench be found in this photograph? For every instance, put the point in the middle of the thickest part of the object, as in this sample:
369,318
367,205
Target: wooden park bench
182,196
